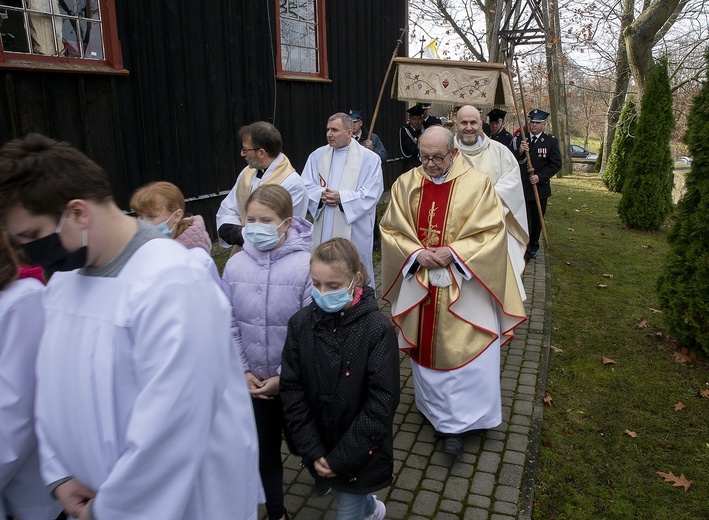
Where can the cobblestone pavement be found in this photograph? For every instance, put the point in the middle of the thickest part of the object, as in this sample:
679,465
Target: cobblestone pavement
494,479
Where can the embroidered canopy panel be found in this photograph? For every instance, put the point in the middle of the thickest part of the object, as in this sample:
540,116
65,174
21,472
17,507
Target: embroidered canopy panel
454,82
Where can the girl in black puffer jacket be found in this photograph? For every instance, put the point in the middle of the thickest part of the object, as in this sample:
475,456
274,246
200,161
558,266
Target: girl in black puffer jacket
340,383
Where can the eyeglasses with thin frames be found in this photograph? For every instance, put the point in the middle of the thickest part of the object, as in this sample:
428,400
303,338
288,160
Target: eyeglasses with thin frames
244,150
436,159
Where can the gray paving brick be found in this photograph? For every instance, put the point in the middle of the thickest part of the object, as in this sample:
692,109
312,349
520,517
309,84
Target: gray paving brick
480,501
425,503
423,448
523,420
397,510
523,407
524,430
400,495
508,383
432,485
408,478
463,470
456,488
517,442
496,435
473,513
488,462
510,475
437,472
506,508
514,457
453,506
524,389
493,445
442,515
483,483
502,517
404,441
417,461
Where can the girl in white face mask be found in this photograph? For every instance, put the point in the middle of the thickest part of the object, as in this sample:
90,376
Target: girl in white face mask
267,282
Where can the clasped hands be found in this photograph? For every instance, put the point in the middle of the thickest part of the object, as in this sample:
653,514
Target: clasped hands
263,389
434,257
330,197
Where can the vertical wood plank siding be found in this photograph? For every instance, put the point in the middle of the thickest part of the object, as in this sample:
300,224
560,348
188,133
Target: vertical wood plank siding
198,72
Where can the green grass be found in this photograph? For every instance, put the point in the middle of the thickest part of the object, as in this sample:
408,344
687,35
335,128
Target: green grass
589,468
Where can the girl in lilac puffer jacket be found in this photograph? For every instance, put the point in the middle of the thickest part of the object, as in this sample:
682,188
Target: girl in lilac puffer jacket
267,282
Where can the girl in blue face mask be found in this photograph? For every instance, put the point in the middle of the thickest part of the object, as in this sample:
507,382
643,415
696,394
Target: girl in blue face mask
340,383
267,282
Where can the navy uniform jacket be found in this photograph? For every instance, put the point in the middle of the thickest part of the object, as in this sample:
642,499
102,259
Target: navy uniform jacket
409,143
377,145
546,159
503,137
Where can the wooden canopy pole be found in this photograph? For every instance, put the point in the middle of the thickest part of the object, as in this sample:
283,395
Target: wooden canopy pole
386,77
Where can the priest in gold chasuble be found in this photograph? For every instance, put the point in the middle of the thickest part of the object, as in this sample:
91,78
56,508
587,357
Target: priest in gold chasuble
447,274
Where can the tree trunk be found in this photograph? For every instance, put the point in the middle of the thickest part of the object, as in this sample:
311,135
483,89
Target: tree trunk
642,35
620,83
557,86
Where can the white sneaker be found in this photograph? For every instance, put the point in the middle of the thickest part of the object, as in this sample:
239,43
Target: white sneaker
379,512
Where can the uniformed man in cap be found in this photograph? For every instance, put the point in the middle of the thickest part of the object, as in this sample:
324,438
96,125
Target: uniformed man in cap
359,134
429,119
546,159
497,127
409,135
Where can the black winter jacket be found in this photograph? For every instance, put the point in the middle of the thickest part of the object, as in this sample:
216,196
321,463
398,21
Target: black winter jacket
340,389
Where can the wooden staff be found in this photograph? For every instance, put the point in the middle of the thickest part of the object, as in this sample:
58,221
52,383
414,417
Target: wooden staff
530,168
386,76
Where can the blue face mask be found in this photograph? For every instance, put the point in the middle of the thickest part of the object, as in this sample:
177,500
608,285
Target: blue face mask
263,237
333,301
162,227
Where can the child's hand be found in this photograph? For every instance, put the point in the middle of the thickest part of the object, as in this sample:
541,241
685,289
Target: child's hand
269,388
253,382
323,469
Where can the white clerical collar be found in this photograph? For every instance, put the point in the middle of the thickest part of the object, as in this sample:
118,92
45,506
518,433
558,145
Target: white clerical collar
357,136
474,149
442,178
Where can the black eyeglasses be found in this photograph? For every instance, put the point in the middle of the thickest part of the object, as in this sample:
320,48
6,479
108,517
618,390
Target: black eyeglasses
436,159
244,150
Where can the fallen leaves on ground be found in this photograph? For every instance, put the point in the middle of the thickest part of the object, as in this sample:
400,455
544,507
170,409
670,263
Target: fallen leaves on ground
571,239
642,323
608,361
605,275
557,349
680,406
680,481
572,229
704,393
654,311
680,358
631,434
548,400
602,285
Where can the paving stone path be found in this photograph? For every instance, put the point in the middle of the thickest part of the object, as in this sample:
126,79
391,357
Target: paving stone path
494,479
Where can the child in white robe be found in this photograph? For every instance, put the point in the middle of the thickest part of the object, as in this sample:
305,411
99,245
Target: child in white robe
22,492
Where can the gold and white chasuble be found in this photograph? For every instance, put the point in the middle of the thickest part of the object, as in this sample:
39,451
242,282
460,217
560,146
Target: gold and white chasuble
445,328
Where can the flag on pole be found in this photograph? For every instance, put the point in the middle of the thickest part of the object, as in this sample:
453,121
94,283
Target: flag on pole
431,51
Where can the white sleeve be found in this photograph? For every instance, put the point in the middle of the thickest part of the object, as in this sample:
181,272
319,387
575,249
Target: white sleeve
370,187
311,180
21,323
296,187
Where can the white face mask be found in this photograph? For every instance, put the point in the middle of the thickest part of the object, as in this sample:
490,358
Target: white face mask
263,237
162,227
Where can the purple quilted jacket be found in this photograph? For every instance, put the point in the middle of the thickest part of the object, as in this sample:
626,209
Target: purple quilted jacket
265,289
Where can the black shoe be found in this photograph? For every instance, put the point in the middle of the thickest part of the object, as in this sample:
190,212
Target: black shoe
452,446
532,254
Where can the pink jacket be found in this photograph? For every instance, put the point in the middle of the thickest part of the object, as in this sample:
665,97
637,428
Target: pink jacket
196,235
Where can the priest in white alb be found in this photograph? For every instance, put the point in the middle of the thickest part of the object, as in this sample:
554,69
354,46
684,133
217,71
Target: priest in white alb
499,163
447,274
262,149
344,182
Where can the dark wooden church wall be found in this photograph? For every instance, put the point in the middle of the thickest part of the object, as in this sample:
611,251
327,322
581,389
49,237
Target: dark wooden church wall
198,72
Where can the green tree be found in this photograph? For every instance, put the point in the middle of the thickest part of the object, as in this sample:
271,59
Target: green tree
684,283
647,190
623,140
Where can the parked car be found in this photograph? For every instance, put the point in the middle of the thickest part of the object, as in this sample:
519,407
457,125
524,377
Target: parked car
581,153
684,159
